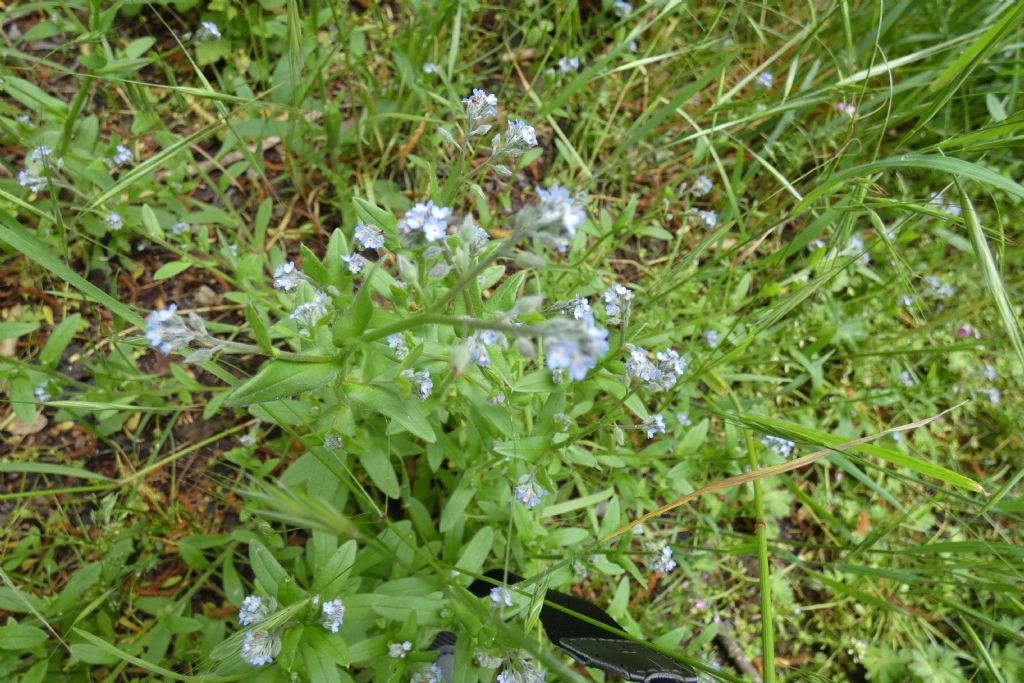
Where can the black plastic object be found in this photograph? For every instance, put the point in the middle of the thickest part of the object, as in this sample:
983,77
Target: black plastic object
593,646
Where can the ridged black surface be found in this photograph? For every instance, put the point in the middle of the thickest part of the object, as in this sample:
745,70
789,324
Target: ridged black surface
591,645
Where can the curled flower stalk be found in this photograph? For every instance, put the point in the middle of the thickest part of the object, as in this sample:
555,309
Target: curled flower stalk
169,332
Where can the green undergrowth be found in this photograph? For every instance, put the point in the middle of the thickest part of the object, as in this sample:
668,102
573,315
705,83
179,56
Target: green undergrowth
815,205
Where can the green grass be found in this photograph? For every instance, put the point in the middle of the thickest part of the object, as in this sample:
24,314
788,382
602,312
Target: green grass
135,519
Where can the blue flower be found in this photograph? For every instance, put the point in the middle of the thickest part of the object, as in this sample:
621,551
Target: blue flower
369,236
661,560
560,207
426,219
765,79
529,493
42,392
207,31
617,300
429,68
501,597
580,307
639,365
708,219
567,65
622,8
906,379
287,277
655,424
114,221
355,262
397,343
168,331
260,647
711,339
684,419
783,447
421,380
332,615
574,345
519,136
480,106
255,610
701,186
309,313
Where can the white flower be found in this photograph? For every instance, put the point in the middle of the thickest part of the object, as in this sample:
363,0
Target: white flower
260,647
180,227
332,615
114,221
684,419
846,108
286,277
765,79
632,47
355,262
622,8
334,442
399,650
207,31
500,596
708,219
369,236
429,68
122,155
529,493
254,609
711,339
906,379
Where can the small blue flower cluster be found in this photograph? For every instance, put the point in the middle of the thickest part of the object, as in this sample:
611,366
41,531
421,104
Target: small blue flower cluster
574,345
660,376
425,220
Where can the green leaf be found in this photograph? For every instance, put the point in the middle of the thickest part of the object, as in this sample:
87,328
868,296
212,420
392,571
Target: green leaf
329,645
151,224
15,636
374,215
99,651
993,278
265,566
476,551
319,666
259,326
30,246
51,468
60,337
15,330
942,164
455,508
282,378
387,402
377,464
311,265
171,269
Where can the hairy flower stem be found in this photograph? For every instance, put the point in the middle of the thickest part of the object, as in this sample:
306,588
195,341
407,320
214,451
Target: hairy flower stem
505,248
239,347
453,320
